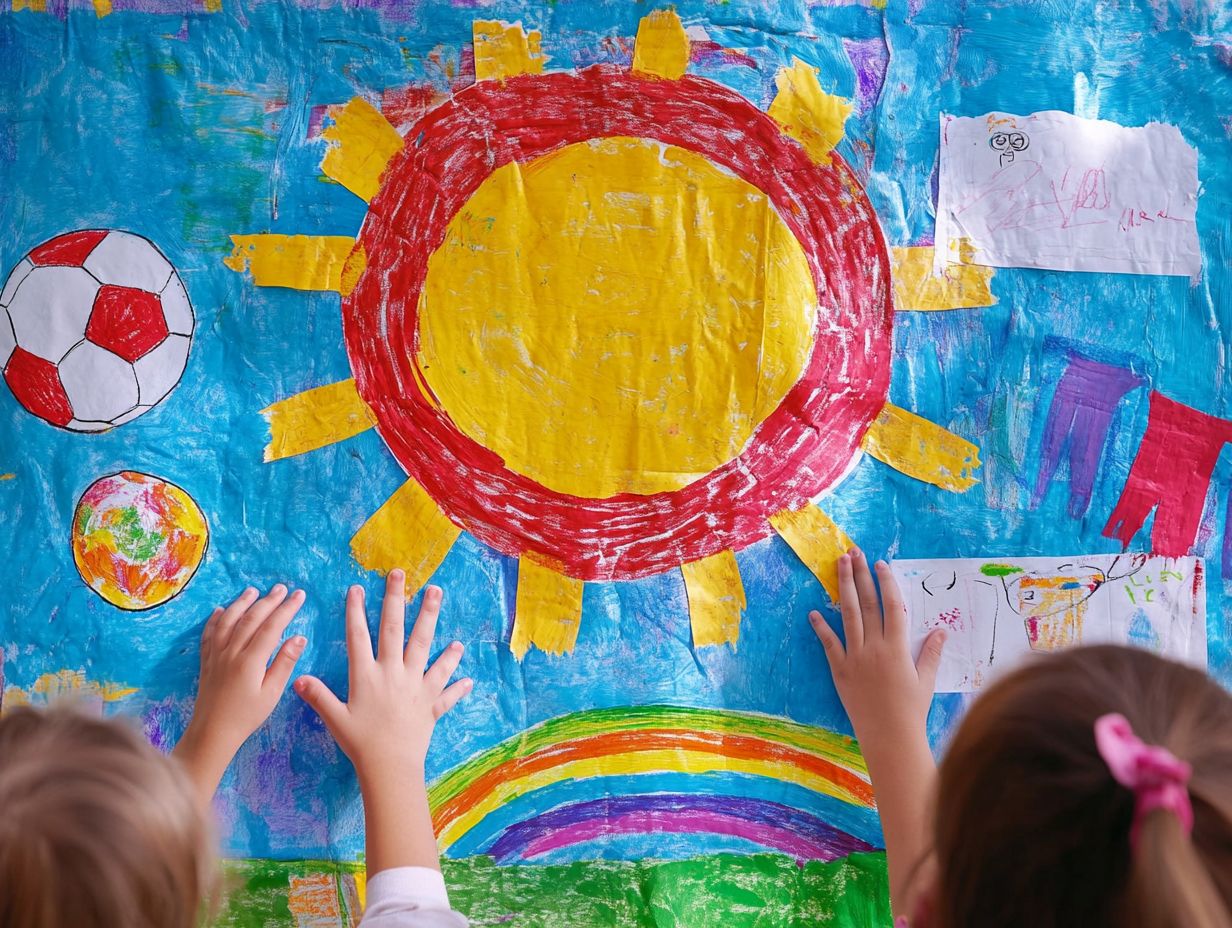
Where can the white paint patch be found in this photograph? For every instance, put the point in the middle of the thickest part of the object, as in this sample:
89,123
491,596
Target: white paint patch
50,310
101,386
128,260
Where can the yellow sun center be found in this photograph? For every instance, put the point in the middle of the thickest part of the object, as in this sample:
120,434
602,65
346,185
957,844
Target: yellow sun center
617,316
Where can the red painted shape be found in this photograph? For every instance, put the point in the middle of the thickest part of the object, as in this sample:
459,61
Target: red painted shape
800,451
70,249
36,384
403,105
1172,471
126,321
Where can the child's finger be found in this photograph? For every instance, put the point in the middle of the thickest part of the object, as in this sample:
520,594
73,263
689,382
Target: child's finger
930,658
440,672
870,608
420,644
358,640
393,618
210,631
328,706
257,613
279,671
265,638
892,604
231,615
448,699
830,642
849,604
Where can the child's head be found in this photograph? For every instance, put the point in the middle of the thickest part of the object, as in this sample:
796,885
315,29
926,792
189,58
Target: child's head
1031,827
97,828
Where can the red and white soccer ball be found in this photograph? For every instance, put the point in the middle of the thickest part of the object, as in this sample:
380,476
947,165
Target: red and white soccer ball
95,329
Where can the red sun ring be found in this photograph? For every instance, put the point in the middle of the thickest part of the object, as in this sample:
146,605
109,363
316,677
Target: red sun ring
798,452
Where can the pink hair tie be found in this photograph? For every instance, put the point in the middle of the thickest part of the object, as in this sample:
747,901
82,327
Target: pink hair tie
1156,776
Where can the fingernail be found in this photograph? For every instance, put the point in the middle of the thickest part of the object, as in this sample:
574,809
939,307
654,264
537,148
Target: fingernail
251,591
854,552
880,565
844,558
814,617
298,594
300,641
468,683
434,591
456,646
397,575
278,588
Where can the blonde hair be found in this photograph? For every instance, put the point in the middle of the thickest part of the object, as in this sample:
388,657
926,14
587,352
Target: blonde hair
97,828
1032,829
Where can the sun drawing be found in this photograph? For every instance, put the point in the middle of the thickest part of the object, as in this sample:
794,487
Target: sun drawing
611,322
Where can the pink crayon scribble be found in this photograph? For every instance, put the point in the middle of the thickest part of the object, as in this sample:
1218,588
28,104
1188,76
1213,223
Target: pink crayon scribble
951,619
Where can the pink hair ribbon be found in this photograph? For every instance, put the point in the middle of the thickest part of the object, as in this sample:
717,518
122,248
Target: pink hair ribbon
1156,776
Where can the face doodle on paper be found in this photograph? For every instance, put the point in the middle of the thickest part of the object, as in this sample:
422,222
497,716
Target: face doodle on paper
1007,144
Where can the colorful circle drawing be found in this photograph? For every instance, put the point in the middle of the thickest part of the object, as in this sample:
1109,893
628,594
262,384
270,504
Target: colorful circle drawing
790,437
137,539
95,329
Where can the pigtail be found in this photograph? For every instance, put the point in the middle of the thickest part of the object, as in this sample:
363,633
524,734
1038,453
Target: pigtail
1170,884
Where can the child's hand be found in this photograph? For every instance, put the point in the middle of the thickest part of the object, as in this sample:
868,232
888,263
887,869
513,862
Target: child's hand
885,693
393,703
887,696
387,721
239,685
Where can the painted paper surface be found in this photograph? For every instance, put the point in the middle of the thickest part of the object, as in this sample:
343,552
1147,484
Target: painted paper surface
997,612
418,316
1054,190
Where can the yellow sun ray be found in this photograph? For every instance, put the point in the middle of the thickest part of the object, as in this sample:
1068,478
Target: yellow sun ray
960,286
817,541
300,262
362,143
716,598
505,50
315,418
807,113
662,46
408,531
922,449
64,685
547,610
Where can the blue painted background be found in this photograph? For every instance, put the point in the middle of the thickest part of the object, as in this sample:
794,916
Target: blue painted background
189,127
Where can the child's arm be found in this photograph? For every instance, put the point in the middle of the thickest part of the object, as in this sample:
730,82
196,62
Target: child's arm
887,696
239,685
393,704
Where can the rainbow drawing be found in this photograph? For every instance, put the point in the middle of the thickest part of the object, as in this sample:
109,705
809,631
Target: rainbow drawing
604,775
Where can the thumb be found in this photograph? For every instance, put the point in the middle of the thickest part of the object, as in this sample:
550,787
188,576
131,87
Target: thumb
930,658
323,701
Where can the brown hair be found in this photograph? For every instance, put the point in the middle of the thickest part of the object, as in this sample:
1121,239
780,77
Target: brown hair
1031,828
97,828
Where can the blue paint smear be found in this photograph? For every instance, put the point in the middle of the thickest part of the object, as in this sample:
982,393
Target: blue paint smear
189,128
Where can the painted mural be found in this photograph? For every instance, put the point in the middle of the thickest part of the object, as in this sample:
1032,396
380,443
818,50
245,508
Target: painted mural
618,321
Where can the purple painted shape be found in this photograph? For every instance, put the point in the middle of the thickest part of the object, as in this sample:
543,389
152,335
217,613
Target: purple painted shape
1081,416
1227,541
769,824
870,58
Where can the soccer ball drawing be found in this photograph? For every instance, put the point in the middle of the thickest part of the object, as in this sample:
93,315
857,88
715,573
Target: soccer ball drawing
95,329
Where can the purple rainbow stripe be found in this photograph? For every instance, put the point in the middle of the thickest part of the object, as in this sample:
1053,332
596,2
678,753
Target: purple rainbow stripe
769,824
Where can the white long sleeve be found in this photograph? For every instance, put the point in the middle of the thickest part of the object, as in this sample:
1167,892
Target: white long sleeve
409,897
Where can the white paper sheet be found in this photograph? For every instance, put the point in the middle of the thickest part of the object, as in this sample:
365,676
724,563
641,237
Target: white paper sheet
998,611
1051,190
